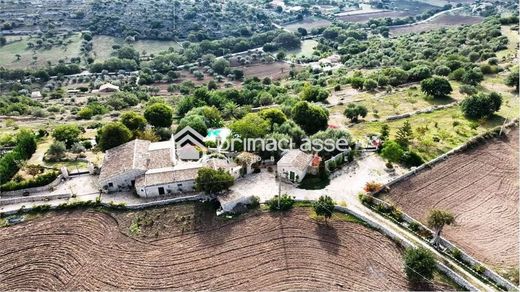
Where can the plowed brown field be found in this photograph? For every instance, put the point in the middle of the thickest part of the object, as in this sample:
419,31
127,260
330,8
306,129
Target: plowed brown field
262,251
480,187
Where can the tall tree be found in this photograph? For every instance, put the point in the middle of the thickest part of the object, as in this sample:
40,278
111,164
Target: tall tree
213,181
436,220
324,206
112,135
436,87
420,265
312,118
159,115
404,135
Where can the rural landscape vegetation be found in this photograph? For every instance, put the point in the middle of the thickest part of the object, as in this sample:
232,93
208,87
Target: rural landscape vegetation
116,117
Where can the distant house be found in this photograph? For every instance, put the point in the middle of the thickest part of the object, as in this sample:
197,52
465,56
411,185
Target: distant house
293,165
36,95
108,88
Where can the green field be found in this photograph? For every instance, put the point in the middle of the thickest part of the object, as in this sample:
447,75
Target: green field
308,24
18,45
306,49
103,46
440,131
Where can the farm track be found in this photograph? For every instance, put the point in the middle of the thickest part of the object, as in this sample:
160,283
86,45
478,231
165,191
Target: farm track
88,251
480,187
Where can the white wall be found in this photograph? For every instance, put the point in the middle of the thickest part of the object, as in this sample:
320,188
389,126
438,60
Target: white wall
121,181
284,172
169,189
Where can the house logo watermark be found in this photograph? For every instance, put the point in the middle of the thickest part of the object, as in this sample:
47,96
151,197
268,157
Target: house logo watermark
188,136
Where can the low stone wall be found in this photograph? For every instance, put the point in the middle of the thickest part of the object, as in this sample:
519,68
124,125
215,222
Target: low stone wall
164,202
468,261
33,190
405,243
423,111
30,199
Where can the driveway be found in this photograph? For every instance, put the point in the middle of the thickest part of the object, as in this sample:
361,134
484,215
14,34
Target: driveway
345,183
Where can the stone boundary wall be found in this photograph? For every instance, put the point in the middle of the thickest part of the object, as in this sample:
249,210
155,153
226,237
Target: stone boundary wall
468,261
29,199
405,243
422,111
33,190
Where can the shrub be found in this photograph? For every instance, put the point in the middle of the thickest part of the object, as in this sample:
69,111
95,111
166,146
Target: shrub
372,186
420,264
457,254
38,181
414,226
479,269
411,159
481,105
254,203
366,199
282,203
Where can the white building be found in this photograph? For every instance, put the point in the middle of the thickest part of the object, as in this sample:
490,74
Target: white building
155,169
293,165
108,88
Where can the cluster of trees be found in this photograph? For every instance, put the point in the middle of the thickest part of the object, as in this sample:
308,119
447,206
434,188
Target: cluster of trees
145,20
387,21
117,101
43,74
132,125
11,161
398,150
481,105
441,51
201,119
234,102
15,105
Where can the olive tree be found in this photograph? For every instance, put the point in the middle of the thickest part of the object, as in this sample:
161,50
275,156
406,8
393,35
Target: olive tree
436,220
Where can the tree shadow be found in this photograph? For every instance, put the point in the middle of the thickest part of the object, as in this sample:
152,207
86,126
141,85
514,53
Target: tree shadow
209,228
440,100
329,239
493,121
421,286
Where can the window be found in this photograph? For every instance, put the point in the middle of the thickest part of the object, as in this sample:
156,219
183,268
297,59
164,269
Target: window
110,184
161,191
179,185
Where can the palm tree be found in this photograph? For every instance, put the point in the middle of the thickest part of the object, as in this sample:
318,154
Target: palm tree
436,220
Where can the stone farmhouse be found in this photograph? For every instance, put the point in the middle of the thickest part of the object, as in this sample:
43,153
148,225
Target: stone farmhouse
155,168
294,165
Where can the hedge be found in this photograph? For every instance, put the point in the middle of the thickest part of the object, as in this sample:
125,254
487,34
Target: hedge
38,181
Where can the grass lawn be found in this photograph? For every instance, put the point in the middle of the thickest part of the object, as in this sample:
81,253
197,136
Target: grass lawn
405,100
306,49
103,46
308,23
512,46
18,45
440,131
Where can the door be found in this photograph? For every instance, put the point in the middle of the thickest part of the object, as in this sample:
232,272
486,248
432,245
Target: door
161,191
291,175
